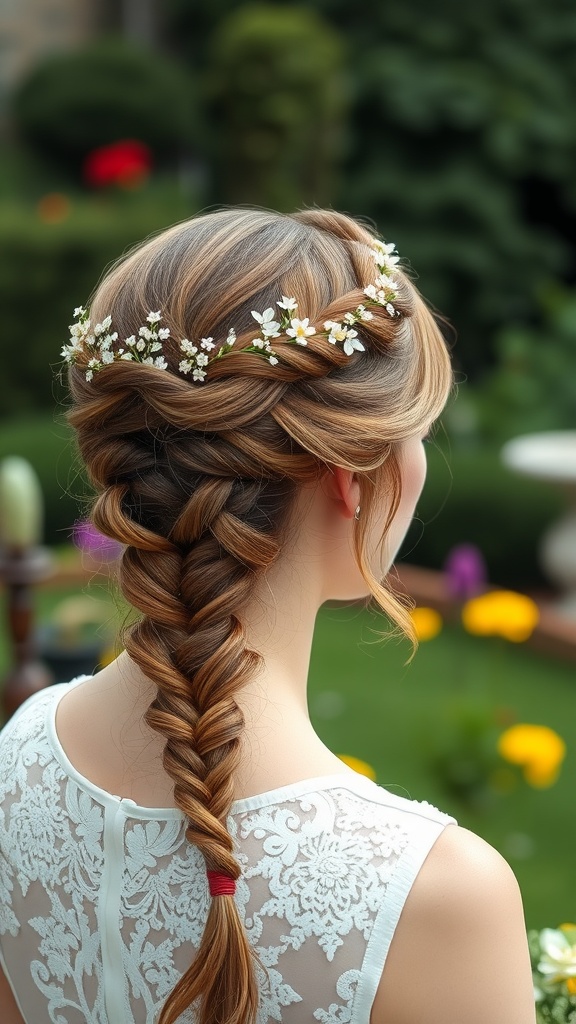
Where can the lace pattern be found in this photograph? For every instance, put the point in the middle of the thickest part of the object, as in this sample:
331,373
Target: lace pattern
102,902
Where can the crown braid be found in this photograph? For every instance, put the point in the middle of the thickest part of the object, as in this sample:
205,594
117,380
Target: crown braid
199,483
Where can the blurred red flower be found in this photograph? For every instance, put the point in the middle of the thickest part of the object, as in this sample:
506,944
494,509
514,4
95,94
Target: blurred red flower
126,163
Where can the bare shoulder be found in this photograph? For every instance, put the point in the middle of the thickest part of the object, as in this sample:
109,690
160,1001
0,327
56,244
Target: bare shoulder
10,1014
460,950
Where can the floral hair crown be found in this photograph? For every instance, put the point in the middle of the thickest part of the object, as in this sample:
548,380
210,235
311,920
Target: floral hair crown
103,347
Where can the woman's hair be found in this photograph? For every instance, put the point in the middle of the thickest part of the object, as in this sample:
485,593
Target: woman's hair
197,480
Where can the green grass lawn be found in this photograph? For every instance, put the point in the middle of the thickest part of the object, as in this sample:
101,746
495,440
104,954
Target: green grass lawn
365,702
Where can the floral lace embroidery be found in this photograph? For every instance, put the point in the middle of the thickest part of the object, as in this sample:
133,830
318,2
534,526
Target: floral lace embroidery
315,872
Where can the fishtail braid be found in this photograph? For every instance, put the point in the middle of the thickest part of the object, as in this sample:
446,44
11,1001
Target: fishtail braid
198,483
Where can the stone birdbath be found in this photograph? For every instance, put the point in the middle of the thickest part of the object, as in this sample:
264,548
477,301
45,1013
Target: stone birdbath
551,456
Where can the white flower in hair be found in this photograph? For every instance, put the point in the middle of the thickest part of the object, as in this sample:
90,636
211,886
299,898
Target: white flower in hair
102,349
336,331
352,343
188,347
300,330
268,325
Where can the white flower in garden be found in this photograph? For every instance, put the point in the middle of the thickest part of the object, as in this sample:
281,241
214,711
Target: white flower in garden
300,330
558,960
153,318
268,325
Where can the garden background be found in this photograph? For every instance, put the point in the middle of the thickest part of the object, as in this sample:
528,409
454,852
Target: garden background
449,127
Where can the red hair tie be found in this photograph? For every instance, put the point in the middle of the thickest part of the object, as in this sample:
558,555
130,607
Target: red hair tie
220,884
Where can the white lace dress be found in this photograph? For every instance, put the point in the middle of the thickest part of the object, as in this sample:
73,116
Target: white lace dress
102,902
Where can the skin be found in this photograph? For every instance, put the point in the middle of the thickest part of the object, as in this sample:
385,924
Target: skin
459,953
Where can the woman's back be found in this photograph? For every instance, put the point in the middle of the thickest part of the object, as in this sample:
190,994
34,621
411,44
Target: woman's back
105,901
250,392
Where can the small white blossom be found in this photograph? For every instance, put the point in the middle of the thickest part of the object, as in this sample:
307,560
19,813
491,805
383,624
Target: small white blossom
79,311
231,337
257,342
140,345
364,314
202,359
185,366
268,325
127,355
337,332
164,333
94,363
286,303
300,330
198,374
188,347
153,318
273,360
130,341
207,343
107,356
352,344
161,363
156,346
89,374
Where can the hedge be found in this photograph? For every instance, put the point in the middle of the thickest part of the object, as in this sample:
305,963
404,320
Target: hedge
46,270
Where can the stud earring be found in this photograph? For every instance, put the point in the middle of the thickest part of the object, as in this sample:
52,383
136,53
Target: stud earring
357,513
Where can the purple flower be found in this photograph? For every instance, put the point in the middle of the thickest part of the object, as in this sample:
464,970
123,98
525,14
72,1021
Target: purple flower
88,538
465,569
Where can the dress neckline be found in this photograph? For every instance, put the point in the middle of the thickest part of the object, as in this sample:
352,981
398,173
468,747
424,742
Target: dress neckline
347,779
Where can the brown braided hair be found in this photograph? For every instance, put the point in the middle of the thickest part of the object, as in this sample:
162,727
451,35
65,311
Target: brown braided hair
198,481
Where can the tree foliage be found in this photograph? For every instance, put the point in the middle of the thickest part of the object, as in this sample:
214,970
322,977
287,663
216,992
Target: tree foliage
76,101
459,143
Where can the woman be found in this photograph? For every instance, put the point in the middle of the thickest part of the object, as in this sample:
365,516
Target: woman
250,393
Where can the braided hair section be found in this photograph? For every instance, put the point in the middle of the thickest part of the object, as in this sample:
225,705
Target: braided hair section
199,484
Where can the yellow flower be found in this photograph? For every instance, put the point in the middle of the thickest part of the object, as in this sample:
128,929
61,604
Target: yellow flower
427,622
501,613
359,766
537,749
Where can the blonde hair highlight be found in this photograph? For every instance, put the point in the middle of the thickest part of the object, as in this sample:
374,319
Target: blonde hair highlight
197,482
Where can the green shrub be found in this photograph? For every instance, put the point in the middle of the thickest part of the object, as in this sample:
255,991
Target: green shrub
46,270
534,384
277,101
73,102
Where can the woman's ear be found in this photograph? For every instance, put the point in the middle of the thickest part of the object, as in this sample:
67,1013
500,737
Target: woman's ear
343,487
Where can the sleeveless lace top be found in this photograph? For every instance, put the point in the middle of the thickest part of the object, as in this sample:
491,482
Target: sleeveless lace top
103,902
